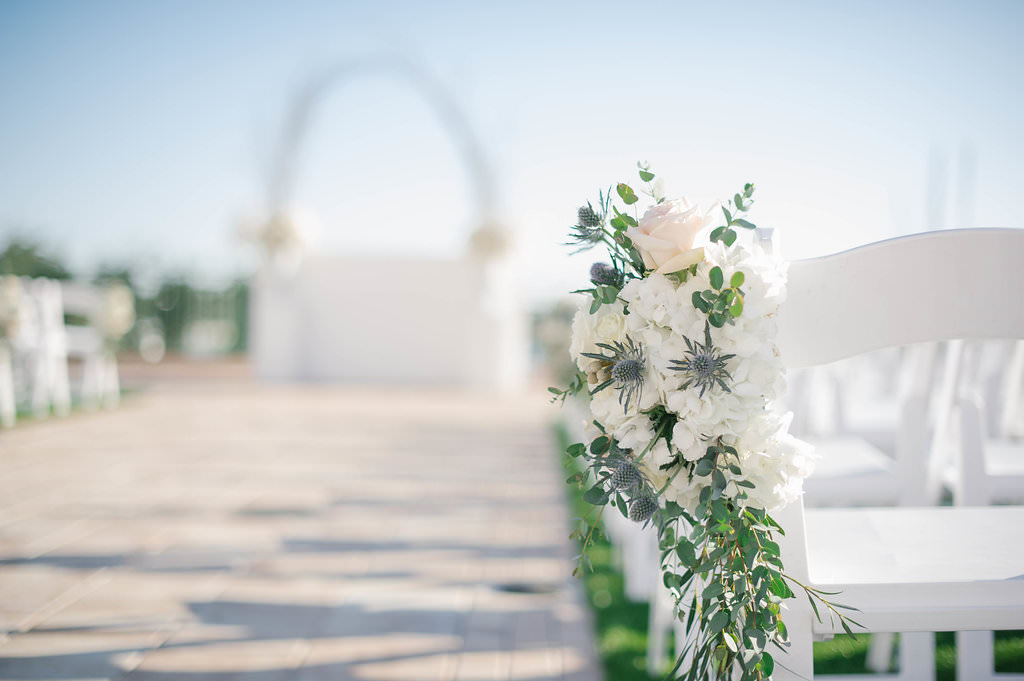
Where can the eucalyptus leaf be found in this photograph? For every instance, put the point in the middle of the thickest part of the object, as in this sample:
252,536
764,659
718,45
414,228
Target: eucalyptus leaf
716,277
718,621
685,551
596,495
767,663
713,590
626,193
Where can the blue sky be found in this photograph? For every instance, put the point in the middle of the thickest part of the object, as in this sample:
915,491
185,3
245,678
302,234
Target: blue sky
140,132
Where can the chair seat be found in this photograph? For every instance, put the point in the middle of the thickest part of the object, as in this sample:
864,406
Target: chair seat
1004,458
83,340
961,567
850,472
1004,474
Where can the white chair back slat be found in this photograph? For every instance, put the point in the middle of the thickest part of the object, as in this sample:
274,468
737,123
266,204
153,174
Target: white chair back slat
1011,418
906,290
80,299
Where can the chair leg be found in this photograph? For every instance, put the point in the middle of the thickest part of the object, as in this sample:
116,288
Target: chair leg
8,410
917,657
975,655
796,663
659,624
60,385
111,381
90,386
880,649
40,391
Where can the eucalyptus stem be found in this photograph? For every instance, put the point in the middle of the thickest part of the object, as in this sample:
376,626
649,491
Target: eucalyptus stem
654,441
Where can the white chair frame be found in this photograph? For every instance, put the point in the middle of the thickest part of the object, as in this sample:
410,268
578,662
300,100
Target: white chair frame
907,570
100,382
49,354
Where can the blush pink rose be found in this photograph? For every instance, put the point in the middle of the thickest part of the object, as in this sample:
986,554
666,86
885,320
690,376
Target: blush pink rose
666,233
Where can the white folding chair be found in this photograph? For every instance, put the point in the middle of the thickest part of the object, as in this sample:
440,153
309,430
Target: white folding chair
987,467
906,569
853,472
48,356
100,383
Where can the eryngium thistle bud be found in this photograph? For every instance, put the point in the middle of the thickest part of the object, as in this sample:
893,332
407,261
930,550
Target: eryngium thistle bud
642,508
625,476
628,371
604,274
588,217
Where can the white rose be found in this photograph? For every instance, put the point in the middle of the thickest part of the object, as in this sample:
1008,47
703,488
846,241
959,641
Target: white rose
606,325
610,326
665,235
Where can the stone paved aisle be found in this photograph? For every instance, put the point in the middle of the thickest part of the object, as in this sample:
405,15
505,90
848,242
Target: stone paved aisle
263,533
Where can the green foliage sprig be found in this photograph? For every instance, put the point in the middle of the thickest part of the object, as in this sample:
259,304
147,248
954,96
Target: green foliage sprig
741,203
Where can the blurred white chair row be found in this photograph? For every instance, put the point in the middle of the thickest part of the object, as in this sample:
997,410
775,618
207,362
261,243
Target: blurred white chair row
43,324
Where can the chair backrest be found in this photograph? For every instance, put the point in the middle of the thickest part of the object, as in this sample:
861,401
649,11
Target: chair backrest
81,300
964,283
925,287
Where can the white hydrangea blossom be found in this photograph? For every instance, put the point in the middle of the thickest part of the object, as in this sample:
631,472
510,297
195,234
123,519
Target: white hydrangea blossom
658,313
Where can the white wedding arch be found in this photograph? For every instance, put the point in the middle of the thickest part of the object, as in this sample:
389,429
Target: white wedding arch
324,317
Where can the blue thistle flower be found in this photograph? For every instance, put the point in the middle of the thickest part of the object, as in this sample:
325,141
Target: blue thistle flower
626,362
625,476
588,217
603,274
642,508
704,365
589,228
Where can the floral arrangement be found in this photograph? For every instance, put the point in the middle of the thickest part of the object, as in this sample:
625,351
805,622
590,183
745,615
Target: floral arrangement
673,345
115,314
